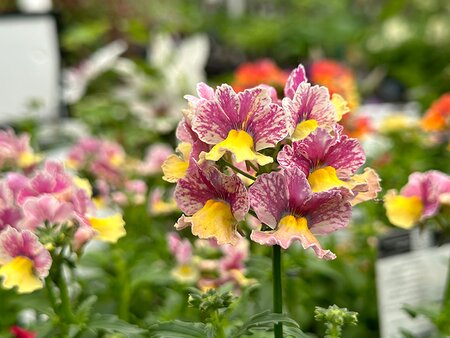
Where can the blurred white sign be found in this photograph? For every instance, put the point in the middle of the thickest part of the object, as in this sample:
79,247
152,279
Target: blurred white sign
29,67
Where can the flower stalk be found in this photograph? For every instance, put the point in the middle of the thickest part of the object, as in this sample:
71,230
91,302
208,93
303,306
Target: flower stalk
277,291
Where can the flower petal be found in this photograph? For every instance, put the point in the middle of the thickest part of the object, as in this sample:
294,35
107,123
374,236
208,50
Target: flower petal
297,76
403,211
19,272
109,229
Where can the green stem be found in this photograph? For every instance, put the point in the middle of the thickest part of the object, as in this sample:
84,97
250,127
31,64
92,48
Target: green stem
51,294
277,291
220,333
251,165
243,173
66,306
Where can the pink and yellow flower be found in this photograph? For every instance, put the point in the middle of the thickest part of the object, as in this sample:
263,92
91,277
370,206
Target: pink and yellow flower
24,261
16,151
308,107
330,161
242,124
418,200
214,202
285,203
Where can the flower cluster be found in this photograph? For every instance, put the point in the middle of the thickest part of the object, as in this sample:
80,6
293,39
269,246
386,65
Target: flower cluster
420,199
44,215
209,265
286,161
105,164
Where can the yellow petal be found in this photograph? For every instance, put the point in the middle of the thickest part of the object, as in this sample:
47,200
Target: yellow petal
27,159
215,219
117,160
174,168
109,229
290,225
84,184
185,273
19,272
340,105
303,129
403,211
185,150
239,143
324,179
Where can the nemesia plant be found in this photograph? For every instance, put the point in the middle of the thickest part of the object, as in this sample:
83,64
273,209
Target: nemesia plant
284,161
46,219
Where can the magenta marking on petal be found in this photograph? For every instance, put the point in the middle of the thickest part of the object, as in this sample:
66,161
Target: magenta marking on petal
269,198
328,211
299,190
346,156
296,77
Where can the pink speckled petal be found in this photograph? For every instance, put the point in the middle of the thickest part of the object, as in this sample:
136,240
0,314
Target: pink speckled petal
299,190
37,210
269,128
15,243
269,198
215,118
296,77
346,156
328,211
310,103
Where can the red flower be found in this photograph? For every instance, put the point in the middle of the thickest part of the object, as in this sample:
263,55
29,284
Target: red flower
437,116
18,332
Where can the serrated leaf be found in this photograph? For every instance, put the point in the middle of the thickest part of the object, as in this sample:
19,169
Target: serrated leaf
179,329
111,323
84,310
264,321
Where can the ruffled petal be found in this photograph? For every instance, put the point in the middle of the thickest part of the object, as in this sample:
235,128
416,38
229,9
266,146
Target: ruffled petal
19,273
109,229
289,230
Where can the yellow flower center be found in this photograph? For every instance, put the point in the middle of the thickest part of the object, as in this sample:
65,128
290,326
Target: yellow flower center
403,211
109,229
27,159
303,129
19,272
215,219
291,225
239,143
324,179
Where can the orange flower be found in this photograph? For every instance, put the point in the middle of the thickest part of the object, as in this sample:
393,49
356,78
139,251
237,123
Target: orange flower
251,74
437,117
338,78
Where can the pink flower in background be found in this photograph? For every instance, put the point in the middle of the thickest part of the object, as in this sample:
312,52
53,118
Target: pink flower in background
181,249
10,213
101,158
24,261
154,158
52,180
284,202
158,205
45,208
214,201
419,199
16,150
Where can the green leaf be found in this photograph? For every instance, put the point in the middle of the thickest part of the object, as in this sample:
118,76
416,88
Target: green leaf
179,329
84,309
111,323
264,321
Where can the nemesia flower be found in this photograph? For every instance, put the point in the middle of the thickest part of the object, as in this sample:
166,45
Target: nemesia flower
338,78
108,229
285,203
243,124
330,161
52,180
45,208
16,150
418,200
24,261
10,212
214,202
308,107
185,271
175,166
251,74
101,158
437,117
19,332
